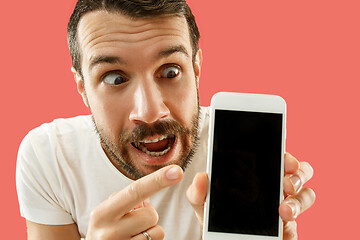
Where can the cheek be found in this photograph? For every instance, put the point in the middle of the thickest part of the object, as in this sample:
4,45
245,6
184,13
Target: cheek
182,102
109,113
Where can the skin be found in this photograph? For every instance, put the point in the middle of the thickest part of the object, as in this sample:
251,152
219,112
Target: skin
147,98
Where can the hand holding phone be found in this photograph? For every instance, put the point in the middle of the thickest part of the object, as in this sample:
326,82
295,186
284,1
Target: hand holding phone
245,167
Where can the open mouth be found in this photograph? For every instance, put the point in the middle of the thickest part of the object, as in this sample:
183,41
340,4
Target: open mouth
155,147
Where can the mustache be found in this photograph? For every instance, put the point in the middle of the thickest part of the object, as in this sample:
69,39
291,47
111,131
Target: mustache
160,127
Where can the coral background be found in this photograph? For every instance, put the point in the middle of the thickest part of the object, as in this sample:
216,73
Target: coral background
306,51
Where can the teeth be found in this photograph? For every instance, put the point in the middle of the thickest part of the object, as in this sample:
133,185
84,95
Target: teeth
155,154
155,140
140,145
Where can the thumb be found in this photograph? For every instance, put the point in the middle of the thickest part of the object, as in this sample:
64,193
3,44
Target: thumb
196,194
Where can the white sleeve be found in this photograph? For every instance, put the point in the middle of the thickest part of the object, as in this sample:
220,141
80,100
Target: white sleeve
38,183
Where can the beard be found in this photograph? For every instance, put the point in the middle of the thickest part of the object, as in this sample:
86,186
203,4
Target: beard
118,152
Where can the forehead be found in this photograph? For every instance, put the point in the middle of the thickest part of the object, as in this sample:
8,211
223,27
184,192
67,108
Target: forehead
104,32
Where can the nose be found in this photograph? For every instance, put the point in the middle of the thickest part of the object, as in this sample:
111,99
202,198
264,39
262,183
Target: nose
149,104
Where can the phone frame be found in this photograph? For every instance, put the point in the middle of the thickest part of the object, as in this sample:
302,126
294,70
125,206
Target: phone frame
249,103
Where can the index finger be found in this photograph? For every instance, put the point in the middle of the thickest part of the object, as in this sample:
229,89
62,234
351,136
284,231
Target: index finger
143,188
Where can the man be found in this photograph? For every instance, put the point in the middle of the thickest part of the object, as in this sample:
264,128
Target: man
118,174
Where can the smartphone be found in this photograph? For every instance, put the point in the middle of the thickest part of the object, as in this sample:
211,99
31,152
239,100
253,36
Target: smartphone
245,167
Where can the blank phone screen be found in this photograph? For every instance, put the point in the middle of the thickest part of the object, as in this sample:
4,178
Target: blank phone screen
246,173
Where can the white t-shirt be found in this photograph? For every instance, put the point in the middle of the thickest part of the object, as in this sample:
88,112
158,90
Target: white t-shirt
63,174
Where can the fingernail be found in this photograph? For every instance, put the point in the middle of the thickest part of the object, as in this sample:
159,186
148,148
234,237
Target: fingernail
173,173
294,207
296,182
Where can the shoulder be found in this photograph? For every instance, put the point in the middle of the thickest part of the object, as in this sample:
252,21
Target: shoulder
62,127
204,118
60,131
56,141
44,169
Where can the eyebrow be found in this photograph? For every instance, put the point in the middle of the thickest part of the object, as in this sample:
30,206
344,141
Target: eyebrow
174,49
117,60
104,59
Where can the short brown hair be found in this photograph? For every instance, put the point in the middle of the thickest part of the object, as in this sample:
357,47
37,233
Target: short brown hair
133,9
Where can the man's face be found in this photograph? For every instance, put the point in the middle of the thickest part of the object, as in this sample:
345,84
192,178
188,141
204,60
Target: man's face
141,87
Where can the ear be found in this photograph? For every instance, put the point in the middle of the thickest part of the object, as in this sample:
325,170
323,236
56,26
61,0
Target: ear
197,66
80,86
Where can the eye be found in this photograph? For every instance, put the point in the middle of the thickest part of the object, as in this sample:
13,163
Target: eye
170,72
114,78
